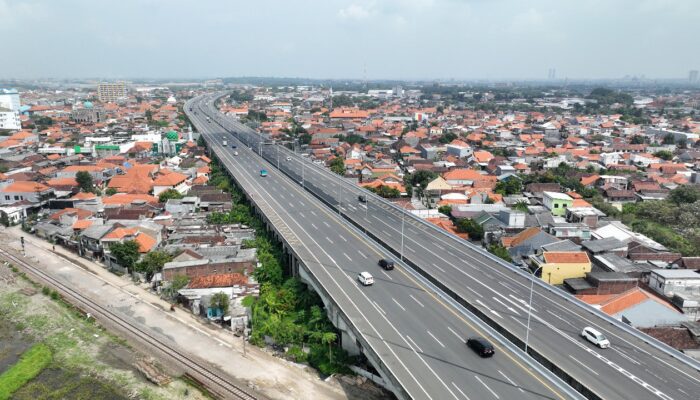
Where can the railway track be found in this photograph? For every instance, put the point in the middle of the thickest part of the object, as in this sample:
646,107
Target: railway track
214,382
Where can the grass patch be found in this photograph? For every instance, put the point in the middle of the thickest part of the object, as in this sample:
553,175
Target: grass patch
32,362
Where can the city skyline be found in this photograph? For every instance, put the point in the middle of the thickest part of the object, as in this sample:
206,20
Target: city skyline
414,40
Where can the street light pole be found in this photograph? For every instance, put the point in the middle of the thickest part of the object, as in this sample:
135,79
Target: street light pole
529,310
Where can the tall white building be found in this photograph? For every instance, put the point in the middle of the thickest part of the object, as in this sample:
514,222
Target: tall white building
9,119
9,99
111,92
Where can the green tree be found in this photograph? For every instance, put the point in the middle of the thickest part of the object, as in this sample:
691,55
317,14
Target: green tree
178,282
521,206
447,210
447,137
664,155
668,139
328,338
126,253
509,186
470,227
221,301
338,166
684,194
166,195
111,191
84,180
500,251
153,262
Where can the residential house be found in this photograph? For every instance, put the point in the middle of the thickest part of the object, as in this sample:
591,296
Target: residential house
29,191
557,266
556,202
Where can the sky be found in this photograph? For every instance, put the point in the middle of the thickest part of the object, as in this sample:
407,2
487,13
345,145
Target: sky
355,39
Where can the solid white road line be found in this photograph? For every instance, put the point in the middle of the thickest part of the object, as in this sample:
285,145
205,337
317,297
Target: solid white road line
505,305
583,365
398,304
460,391
436,339
387,275
486,386
461,339
487,307
414,344
682,372
380,309
511,381
474,291
416,300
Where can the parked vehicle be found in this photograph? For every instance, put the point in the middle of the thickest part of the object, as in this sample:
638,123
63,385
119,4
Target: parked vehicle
594,336
362,198
481,346
225,143
263,173
365,278
387,264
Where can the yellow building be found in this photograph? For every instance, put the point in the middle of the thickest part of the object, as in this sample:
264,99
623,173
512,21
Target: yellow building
559,265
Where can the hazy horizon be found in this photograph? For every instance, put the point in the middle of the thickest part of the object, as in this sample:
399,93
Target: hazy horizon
403,40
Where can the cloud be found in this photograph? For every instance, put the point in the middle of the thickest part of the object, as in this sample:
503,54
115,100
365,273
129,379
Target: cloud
356,12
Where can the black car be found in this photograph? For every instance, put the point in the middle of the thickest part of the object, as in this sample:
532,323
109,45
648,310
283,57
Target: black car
362,198
386,263
480,346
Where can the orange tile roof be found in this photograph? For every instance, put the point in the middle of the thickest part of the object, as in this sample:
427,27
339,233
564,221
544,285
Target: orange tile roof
511,241
24,187
170,179
83,196
77,168
122,199
566,257
82,224
217,281
62,182
79,212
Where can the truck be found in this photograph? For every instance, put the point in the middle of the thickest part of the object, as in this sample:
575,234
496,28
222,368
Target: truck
225,143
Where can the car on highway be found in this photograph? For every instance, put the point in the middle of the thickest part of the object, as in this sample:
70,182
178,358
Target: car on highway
263,173
289,158
225,143
235,153
233,146
594,336
365,278
362,198
386,263
481,346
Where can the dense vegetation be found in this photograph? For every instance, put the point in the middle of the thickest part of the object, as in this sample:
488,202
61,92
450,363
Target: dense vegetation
286,311
674,222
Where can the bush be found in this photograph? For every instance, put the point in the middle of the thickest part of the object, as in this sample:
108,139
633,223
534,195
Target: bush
470,227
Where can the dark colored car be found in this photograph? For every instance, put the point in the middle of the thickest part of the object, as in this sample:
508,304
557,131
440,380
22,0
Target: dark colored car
362,198
480,346
386,263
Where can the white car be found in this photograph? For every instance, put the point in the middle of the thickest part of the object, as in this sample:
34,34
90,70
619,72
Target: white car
289,158
365,278
595,337
235,153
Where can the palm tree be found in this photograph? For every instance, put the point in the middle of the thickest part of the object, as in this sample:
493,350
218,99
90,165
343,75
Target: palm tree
329,337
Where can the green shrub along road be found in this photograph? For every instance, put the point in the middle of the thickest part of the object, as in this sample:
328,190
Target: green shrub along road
286,311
